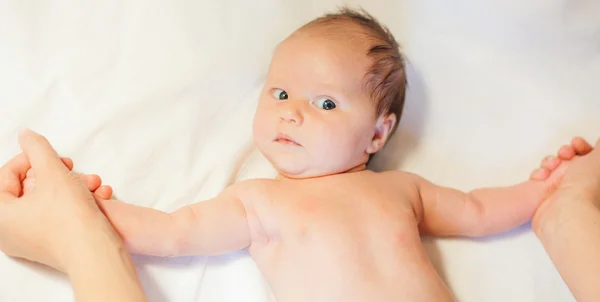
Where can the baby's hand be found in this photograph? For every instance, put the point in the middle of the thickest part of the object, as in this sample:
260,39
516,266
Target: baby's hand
92,181
553,168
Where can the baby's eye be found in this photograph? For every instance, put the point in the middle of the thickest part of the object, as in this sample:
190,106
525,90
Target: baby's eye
280,94
325,103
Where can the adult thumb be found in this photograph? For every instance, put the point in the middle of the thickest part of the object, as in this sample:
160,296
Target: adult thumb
41,155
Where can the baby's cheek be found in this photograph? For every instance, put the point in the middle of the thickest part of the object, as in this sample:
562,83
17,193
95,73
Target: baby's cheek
335,148
258,127
260,132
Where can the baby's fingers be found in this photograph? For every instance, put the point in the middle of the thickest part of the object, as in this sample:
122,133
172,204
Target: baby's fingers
92,181
104,192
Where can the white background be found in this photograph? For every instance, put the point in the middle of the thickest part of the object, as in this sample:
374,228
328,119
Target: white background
157,97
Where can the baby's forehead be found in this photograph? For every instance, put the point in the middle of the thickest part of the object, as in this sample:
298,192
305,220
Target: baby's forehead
320,53
349,34
340,43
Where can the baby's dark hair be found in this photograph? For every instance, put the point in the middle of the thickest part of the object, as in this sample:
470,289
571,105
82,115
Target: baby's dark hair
385,79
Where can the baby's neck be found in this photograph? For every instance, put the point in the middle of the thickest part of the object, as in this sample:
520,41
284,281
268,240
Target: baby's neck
358,168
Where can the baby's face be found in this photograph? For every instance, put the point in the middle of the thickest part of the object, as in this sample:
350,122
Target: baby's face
313,118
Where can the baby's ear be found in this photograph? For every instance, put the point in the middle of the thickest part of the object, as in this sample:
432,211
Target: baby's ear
383,128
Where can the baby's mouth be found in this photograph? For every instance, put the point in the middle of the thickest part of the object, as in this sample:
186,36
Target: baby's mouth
285,139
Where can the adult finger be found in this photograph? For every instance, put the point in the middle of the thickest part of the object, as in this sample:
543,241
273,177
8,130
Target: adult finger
12,174
540,174
68,162
42,156
581,146
566,152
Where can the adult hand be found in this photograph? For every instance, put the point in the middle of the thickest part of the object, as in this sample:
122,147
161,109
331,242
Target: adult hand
567,222
45,225
580,185
58,223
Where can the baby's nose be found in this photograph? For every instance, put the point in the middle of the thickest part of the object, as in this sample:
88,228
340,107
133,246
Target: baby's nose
292,113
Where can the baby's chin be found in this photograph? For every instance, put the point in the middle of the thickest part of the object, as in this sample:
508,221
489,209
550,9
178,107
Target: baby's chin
291,170
291,167
300,166
296,170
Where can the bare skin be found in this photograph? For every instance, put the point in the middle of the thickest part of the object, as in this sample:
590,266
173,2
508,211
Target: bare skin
567,222
348,237
58,223
327,229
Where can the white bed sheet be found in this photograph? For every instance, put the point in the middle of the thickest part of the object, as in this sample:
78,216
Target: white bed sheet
157,97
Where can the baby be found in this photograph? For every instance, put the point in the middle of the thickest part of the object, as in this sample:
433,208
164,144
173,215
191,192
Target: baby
328,229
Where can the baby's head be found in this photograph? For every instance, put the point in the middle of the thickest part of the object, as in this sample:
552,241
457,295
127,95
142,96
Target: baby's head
333,96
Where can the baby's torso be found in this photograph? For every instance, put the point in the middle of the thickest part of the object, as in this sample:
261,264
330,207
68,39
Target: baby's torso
349,237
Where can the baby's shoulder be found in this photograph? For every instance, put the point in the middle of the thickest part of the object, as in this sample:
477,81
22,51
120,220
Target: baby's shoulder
403,183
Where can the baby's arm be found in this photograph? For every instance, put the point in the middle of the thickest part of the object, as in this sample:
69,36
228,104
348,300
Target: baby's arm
450,212
210,227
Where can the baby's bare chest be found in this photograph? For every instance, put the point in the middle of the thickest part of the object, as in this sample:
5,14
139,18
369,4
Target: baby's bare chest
338,212
353,237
